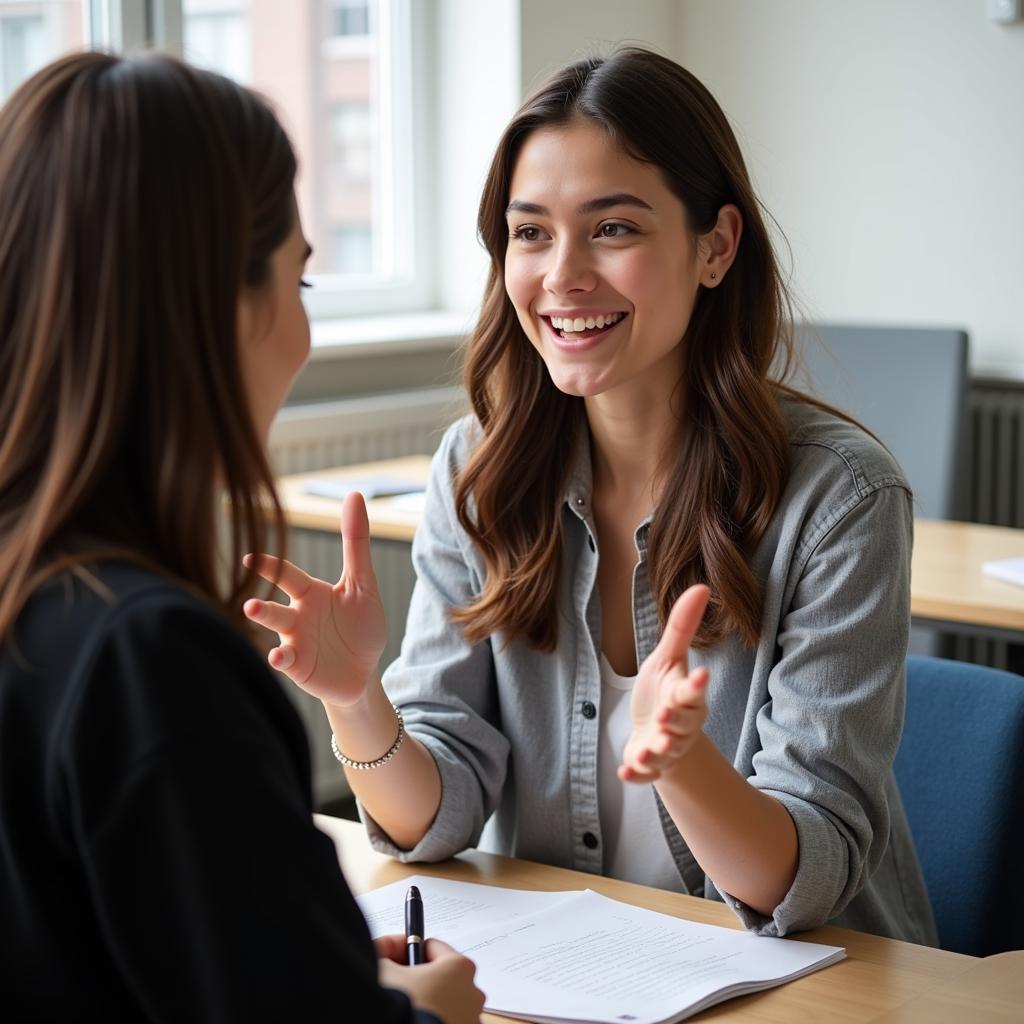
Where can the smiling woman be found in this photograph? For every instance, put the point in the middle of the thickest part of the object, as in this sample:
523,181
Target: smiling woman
662,606
625,258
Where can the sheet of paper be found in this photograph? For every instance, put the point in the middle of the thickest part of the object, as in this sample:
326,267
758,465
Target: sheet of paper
597,960
1009,570
414,502
369,486
451,910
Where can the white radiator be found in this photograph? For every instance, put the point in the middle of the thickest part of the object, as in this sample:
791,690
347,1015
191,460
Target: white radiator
321,435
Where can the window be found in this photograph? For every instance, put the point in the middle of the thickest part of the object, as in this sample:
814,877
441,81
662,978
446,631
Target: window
32,33
348,18
218,38
351,142
348,78
340,74
352,248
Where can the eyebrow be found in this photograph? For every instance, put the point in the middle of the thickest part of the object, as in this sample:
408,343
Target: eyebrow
590,206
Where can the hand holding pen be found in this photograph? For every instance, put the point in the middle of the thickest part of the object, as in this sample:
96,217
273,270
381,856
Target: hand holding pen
443,979
415,953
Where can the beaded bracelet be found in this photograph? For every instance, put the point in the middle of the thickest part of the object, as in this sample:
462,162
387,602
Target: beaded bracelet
363,766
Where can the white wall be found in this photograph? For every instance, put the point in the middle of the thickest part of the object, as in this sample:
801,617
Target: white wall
887,138
556,32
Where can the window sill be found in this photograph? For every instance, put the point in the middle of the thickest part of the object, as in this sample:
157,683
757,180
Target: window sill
400,334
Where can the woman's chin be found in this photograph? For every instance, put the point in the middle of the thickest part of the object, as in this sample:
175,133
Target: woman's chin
579,384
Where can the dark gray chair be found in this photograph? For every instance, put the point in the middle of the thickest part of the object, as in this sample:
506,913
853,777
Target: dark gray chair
908,386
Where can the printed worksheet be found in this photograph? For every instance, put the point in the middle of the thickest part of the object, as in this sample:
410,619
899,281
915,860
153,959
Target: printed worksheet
593,959
451,910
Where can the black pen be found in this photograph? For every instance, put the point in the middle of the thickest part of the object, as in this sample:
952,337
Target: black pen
414,951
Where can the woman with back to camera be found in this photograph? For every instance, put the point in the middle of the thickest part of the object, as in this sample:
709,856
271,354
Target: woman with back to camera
158,859
662,605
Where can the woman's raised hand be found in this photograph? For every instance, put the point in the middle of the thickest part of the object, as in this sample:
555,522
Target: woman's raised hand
667,706
330,636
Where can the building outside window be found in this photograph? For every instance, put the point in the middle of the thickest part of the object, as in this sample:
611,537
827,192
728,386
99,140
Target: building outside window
329,67
348,18
217,36
339,74
352,153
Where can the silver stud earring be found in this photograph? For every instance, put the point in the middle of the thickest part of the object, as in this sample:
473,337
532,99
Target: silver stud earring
714,276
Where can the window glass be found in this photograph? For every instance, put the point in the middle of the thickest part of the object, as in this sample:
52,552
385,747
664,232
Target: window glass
33,33
348,18
325,65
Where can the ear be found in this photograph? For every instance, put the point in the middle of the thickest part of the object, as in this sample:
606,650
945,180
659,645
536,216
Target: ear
717,249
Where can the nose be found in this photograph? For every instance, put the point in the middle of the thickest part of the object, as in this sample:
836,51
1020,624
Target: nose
570,269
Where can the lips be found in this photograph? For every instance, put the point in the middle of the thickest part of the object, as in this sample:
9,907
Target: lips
577,341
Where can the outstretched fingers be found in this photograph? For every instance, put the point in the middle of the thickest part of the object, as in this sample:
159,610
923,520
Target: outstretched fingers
355,542
683,623
290,578
278,617
685,707
282,658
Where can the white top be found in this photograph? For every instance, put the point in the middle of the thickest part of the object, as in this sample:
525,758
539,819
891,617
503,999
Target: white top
635,849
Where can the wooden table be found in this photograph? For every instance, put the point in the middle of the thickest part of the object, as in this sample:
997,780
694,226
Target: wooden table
881,980
947,586
309,512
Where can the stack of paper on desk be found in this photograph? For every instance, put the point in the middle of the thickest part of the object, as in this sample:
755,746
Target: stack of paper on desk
581,957
1010,570
368,486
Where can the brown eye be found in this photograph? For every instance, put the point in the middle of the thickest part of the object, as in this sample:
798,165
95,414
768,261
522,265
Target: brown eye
527,233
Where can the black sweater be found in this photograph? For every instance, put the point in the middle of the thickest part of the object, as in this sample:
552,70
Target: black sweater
158,859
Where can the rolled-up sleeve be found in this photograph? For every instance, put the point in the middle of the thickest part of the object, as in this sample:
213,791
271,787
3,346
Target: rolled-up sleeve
444,685
831,728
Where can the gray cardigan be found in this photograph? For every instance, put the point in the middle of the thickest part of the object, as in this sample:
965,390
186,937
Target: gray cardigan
813,715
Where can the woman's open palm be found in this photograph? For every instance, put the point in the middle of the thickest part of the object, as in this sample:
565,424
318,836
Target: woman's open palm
668,703
331,636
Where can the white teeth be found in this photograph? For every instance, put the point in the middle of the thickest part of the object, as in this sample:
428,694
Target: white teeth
573,325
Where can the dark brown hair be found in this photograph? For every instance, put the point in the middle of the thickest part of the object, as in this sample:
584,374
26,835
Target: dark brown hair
138,197
738,349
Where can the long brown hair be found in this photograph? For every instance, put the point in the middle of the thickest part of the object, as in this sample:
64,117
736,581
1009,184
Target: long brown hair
738,348
138,197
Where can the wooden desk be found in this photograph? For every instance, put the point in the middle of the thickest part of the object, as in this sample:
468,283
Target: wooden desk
880,980
947,586
309,512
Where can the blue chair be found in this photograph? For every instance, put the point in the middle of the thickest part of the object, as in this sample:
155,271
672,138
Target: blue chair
960,772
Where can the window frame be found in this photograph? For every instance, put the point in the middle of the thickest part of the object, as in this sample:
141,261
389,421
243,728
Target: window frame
411,284
133,25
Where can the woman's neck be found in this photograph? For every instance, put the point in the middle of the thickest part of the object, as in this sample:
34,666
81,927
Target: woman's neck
630,436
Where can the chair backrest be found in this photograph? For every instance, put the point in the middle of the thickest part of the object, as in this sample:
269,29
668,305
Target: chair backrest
960,772
908,386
